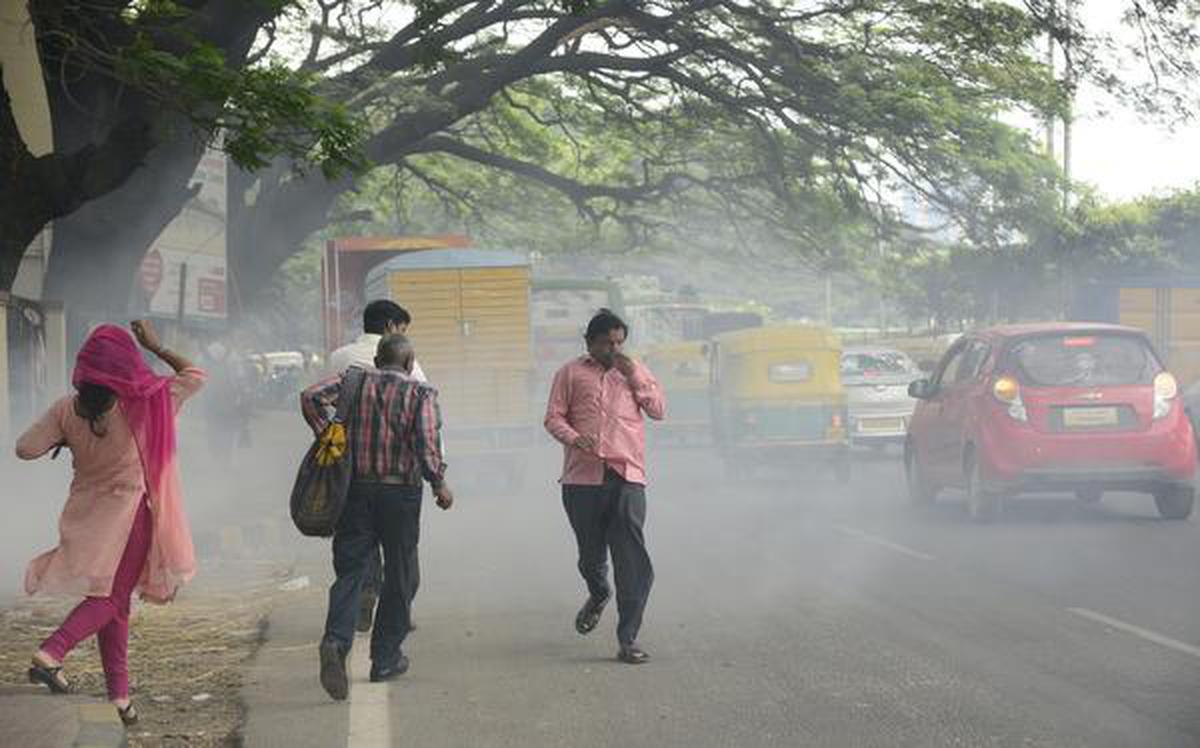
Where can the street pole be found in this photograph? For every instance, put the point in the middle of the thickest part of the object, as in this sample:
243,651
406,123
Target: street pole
1051,66
1068,269
1068,115
829,299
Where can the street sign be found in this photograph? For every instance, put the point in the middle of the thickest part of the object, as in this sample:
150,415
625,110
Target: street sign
151,272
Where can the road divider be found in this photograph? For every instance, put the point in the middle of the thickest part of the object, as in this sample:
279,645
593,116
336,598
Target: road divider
883,543
1138,631
370,720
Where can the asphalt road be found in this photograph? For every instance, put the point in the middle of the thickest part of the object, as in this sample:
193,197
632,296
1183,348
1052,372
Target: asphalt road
787,611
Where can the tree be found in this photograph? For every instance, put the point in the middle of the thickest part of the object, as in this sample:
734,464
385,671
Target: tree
135,90
800,104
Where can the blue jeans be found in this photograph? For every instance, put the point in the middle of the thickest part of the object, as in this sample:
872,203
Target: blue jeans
377,515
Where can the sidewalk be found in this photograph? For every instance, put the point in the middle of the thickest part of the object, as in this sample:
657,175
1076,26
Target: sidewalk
29,719
187,660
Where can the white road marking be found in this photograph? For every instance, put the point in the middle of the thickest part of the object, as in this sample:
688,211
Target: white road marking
1138,631
883,543
370,722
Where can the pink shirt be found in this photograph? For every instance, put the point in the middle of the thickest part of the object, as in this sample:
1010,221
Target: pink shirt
588,400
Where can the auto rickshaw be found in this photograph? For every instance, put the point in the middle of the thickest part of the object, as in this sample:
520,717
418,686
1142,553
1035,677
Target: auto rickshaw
777,397
682,370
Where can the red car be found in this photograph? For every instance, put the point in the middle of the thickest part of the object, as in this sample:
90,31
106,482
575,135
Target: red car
1051,407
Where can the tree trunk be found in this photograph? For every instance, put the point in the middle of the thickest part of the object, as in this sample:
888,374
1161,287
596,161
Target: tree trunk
263,236
98,248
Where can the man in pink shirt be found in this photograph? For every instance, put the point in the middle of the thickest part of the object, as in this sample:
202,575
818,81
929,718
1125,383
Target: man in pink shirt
596,410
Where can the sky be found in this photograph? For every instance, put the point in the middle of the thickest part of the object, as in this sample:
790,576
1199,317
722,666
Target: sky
1120,154
1125,157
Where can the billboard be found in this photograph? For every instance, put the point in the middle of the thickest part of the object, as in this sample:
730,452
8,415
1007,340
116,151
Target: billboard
184,273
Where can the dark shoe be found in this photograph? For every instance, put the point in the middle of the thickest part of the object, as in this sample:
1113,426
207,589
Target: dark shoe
632,654
128,715
366,613
50,677
390,672
589,614
333,670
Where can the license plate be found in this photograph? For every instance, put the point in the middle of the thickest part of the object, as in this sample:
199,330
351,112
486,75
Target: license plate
877,425
1085,418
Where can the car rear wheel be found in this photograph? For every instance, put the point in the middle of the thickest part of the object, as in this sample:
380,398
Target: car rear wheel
1089,495
1175,502
982,505
920,491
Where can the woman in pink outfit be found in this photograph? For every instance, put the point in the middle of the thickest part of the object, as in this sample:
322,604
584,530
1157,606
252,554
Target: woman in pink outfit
123,527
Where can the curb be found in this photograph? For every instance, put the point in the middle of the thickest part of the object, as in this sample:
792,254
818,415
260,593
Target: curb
99,727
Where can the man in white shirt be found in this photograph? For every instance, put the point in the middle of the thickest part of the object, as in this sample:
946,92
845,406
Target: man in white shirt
381,317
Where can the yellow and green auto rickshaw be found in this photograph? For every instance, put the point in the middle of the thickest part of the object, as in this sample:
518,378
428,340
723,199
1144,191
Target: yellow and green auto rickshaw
682,370
777,398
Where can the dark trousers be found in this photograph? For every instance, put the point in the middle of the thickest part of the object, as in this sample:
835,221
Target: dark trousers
376,515
608,519
373,578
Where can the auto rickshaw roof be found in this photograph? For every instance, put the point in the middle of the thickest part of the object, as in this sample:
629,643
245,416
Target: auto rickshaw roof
779,336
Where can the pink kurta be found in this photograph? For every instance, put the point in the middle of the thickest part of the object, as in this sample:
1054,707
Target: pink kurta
108,485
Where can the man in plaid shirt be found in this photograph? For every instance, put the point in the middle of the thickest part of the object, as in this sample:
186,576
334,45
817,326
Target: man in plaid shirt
393,433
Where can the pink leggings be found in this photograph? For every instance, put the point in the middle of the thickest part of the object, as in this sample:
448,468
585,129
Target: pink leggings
108,617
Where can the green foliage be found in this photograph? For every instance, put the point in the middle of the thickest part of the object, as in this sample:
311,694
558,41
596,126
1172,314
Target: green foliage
264,112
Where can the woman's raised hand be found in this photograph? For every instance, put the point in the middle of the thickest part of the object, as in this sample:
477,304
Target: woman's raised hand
143,330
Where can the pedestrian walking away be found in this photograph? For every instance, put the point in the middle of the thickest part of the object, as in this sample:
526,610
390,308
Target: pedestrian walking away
596,410
123,528
393,435
380,317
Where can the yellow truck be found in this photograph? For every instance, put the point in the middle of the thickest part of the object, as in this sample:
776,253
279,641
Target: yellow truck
1166,307
471,329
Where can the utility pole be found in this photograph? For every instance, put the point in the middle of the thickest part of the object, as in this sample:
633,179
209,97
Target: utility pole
1050,64
1068,115
829,298
1068,82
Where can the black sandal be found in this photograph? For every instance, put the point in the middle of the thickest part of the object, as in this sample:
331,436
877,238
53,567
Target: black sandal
128,715
589,615
632,654
50,677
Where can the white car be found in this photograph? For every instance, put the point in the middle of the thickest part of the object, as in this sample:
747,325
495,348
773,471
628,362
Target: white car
876,382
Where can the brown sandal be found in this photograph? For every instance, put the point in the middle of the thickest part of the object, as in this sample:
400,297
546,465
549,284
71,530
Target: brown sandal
50,677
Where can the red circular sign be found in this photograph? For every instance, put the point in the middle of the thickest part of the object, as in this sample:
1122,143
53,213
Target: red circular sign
151,272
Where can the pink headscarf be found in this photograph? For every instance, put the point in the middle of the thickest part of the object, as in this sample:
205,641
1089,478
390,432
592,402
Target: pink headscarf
110,357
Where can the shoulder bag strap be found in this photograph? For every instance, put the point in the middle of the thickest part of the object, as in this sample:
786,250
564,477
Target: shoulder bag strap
352,384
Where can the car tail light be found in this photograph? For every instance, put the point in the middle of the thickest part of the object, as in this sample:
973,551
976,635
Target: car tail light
1166,389
1007,391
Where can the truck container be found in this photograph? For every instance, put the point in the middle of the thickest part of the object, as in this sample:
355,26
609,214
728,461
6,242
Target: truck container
471,329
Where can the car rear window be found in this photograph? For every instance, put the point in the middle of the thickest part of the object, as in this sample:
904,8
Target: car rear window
1084,360
874,364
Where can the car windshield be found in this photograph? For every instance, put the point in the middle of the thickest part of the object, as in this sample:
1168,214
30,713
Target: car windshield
1085,360
875,363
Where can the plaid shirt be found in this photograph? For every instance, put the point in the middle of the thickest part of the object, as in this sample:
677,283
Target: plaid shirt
394,433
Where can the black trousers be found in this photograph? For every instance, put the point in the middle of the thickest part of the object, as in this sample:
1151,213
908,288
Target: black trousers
373,578
377,515
608,520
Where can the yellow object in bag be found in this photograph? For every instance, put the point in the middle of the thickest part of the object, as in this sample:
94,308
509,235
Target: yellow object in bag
331,445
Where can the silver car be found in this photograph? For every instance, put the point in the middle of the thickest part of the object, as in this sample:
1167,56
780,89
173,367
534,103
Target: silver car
876,382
